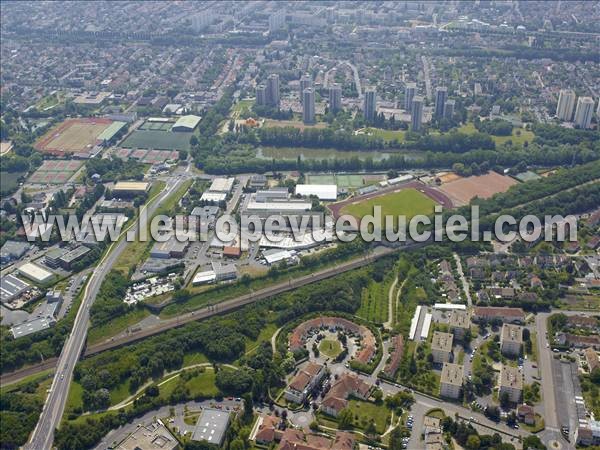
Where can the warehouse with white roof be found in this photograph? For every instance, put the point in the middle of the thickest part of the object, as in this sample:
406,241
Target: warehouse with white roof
321,191
36,273
222,185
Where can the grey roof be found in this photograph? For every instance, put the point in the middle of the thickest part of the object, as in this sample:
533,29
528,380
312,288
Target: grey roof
205,211
13,249
11,286
211,426
74,254
32,326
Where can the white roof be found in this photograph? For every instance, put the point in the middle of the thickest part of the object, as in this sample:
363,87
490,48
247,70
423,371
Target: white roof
204,277
213,196
414,322
222,184
273,257
449,306
279,206
400,179
322,191
35,272
426,326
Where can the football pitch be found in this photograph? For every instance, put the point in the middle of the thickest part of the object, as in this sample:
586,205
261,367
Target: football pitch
407,202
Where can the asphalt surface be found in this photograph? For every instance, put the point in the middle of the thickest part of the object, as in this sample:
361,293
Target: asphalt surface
43,434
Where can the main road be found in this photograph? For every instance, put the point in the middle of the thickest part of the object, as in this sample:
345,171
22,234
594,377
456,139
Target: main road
43,434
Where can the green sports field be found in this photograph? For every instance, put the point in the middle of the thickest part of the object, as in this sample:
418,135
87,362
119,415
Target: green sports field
407,202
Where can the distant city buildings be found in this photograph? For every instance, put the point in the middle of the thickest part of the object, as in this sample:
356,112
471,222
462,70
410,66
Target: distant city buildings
409,93
441,95
308,106
276,21
335,98
370,105
305,83
566,103
273,97
261,95
584,111
449,109
416,113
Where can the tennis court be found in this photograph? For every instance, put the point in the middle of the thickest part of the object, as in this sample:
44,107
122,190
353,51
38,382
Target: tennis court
158,140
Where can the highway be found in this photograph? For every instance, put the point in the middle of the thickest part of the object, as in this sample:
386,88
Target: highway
43,434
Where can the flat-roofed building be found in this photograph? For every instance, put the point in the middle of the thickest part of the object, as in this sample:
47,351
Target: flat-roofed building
77,254
36,273
149,437
277,193
321,191
511,339
206,277
169,249
304,382
510,382
441,347
459,322
52,257
130,188
32,326
215,197
224,271
11,287
211,426
186,123
222,185
451,380
13,250
501,313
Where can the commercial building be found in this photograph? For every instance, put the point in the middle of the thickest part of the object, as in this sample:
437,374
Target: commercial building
130,188
335,98
35,273
584,112
278,193
273,98
206,277
151,437
451,380
305,83
370,104
566,103
441,347
510,382
416,113
275,256
257,181
511,339
67,260
12,250
214,197
321,191
308,106
459,322
409,93
304,382
32,326
171,248
441,95
211,426
224,272
186,123
222,185
11,287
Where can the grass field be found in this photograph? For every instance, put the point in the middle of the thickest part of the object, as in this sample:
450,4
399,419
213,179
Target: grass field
364,412
519,135
292,123
407,202
374,301
330,347
388,135
158,140
9,181
241,107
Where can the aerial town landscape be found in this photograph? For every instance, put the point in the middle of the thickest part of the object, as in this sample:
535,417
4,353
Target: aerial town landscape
122,334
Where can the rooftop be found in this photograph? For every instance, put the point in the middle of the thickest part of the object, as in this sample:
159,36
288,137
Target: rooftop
459,319
442,341
211,426
452,374
512,333
510,377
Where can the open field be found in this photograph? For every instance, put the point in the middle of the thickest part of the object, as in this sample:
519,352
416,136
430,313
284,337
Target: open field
292,123
72,136
55,171
374,301
158,140
365,412
388,135
519,135
241,107
330,347
9,181
408,202
482,186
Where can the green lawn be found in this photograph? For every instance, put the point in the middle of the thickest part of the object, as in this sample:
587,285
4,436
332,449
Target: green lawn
116,325
264,335
407,202
388,135
330,347
364,412
519,135
374,301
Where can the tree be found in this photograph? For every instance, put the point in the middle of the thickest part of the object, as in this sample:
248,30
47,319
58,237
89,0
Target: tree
345,419
532,441
248,406
473,442
237,444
